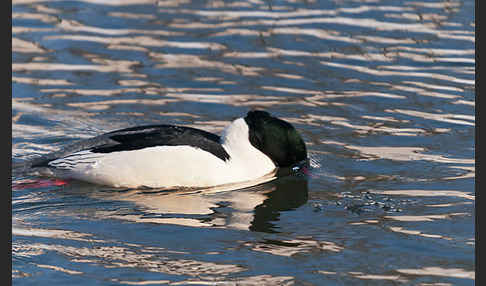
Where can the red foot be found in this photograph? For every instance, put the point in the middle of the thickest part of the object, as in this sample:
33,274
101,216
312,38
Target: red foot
38,184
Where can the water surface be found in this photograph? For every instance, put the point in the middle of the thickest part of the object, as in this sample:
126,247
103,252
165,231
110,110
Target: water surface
382,92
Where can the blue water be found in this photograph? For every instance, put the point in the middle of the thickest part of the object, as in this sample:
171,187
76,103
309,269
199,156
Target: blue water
381,91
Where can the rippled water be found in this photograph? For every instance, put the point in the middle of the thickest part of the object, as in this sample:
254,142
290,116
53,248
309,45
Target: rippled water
382,91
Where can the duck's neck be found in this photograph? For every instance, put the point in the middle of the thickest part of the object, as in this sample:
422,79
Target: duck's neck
235,135
235,140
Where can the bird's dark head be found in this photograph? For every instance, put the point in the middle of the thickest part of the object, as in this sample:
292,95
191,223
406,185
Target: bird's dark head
276,138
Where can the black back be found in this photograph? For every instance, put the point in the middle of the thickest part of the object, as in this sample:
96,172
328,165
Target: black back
162,135
276,138
140,137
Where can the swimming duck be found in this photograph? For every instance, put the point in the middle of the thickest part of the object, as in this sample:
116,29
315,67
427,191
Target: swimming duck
169,156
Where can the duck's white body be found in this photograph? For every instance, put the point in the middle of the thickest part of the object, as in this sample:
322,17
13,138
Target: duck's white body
170,166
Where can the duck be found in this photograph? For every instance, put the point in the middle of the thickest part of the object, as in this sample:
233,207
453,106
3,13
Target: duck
172,156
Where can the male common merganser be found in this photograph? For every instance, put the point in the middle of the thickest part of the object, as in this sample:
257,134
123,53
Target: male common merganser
168,156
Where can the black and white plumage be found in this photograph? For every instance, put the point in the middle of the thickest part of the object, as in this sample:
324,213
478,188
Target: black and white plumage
167,156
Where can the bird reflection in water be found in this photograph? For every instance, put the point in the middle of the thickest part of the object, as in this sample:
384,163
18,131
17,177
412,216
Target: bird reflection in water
254,208
287,193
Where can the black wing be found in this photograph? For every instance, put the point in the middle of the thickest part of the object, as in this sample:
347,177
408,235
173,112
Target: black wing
162,135
140,137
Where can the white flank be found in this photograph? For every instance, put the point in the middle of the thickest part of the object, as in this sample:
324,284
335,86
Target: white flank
170,166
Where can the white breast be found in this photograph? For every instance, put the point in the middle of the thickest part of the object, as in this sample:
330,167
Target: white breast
245,160
171,166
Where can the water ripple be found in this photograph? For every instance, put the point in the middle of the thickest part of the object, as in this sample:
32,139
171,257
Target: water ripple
383,94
